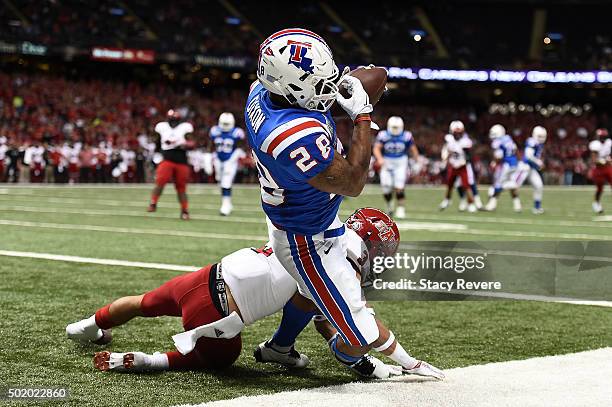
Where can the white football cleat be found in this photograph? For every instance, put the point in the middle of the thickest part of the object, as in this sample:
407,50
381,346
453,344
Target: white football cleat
537,211
444,204
491,205
472,208
597,208
132,361
516,205
226,207
400,212
425,369
87,331
463,205
478,202
264,353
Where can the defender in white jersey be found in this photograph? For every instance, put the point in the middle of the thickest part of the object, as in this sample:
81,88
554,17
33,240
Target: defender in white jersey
3,149
35,157
391,151
456,153
173,143
218,301
226,139
601,161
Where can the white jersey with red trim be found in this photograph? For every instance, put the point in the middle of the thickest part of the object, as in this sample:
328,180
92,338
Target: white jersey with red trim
603,149
261,286
456,150
34,155
173,137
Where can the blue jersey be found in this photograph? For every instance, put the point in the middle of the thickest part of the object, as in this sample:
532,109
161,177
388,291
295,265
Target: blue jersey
291,146
394,146
536,150
225,141
507,147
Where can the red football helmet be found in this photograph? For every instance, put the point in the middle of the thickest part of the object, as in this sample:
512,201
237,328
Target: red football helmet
377,229
601,133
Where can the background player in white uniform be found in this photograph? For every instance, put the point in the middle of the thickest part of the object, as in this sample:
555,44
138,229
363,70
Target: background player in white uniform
173,144
457,127
601,173
456,152
226,138
35,158
532,164
390,150
255,285
3,149
507,171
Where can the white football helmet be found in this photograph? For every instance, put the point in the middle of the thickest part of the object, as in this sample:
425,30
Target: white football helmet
497,131
299,65
539,133
456,127
226,121
395,125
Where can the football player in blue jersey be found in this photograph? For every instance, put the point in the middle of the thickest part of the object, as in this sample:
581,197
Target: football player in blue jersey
532,164
304,175
507,170
226,139
390,150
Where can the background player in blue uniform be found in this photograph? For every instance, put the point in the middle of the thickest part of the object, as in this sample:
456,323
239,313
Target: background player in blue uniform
226,138
507,171
390,150
532,164
303,176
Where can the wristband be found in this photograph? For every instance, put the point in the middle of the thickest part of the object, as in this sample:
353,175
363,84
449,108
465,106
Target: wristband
362,118
387,343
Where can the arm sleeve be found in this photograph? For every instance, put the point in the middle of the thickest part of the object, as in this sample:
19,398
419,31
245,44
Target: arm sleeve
307,157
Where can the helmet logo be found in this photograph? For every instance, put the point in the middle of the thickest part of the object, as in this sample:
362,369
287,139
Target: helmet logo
384,231
269,52
298,55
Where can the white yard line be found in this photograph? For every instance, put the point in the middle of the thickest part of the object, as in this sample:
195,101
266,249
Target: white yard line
576,379
138,214
511,253
120,203
92,260
431,226
137,231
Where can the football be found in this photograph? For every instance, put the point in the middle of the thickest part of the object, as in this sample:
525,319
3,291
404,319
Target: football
373,79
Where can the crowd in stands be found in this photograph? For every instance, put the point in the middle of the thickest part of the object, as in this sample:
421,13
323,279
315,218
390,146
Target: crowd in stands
57,130
211,27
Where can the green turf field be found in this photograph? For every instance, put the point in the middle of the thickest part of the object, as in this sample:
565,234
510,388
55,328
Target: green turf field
39,297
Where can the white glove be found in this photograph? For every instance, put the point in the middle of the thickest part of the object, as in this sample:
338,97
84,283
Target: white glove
359,101
374,368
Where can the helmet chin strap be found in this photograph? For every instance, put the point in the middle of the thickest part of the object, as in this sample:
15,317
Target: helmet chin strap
284,92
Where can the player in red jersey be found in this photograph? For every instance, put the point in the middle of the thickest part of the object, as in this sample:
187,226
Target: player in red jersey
173,143
601,148
218,301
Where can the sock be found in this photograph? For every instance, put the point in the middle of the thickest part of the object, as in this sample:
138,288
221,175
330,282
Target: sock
461,192
154,199
293,322
342,357
400,195
103,318
537,204
497,191
474,189
158,361
184,205
226,191
402,357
